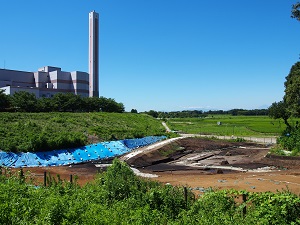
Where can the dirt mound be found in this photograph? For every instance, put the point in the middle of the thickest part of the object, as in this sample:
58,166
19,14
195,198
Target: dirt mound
191,151
147,159
202,144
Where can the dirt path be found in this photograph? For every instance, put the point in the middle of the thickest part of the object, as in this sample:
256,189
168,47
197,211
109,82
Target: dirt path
254,182
262,140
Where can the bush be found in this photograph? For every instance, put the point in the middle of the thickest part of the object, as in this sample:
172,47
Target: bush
212,208
119,181
290,141
274,208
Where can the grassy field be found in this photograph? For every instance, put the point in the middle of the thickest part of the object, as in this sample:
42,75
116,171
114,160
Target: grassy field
230,125
48,131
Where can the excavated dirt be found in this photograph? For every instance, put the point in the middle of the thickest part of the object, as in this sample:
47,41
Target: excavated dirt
201,164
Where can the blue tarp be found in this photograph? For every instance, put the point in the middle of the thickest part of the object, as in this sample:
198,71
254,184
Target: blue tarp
102,150
141,142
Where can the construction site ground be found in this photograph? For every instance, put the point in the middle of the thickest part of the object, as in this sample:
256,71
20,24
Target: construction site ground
200,164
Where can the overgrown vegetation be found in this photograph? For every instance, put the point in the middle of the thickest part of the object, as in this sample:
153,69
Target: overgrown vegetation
48,131
119,197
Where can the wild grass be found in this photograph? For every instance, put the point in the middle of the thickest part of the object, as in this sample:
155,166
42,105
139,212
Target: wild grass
117,196
49,131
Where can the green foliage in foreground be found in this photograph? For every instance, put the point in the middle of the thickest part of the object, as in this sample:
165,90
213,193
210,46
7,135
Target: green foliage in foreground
230,125
48,131
119,197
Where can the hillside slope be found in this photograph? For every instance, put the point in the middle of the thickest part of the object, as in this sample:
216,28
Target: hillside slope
48,131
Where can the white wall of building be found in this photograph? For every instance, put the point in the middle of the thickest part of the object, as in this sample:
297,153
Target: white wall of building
46,82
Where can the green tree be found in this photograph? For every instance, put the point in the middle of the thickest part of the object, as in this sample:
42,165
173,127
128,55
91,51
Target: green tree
234,112
134,111
296,11
68,102
91,104
153,113
45,104
4,100
292,90
24,101
278,110
58,102
74,102
110,105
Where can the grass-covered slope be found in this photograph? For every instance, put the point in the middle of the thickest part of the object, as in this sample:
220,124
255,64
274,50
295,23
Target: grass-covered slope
48,131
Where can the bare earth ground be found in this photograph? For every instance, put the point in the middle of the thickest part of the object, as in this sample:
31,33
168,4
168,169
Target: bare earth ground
201,164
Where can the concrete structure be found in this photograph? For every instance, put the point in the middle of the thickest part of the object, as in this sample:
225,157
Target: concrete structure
46,82
49,80
94,54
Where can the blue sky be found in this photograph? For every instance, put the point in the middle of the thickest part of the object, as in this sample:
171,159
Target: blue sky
163,55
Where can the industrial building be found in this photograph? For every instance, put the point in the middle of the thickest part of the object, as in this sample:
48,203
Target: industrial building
49,80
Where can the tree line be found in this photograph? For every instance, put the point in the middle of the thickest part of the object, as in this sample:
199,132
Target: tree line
200,113
23,101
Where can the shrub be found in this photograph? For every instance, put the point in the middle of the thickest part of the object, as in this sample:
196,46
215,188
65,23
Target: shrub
212,208
290,141
274,208
119,181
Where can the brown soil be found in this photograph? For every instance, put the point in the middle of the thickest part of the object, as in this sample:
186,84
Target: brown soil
201,164
196,167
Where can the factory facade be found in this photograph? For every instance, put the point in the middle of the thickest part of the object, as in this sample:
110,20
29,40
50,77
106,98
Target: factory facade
48,80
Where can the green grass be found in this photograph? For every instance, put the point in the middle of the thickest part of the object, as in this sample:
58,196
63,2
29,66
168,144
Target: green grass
171,148
231,125
48,131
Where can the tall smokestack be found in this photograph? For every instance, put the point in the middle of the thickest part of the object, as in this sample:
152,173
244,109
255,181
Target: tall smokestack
93,54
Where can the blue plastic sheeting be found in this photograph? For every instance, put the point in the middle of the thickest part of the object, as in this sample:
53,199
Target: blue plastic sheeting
102,150
141,142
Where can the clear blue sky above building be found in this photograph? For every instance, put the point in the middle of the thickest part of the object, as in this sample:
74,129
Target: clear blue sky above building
163,55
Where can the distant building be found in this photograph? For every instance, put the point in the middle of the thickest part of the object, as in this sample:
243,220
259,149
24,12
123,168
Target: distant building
48,80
